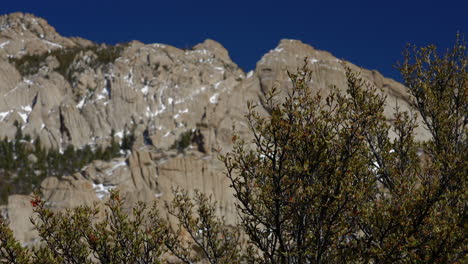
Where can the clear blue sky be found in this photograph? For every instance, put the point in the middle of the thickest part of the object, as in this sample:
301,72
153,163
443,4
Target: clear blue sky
371,34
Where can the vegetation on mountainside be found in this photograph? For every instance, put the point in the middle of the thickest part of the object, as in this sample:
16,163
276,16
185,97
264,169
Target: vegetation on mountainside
25,163
187,138
322,183
104,54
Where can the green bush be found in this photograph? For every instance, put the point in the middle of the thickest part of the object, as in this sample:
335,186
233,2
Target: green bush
183,142
190,137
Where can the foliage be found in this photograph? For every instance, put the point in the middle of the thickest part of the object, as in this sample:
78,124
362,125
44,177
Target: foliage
23,165
88,234
207,232
184,141
193,136
10,249
128,139
84,235
325,183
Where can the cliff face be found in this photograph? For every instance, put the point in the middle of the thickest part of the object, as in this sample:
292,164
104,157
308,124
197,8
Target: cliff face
70,91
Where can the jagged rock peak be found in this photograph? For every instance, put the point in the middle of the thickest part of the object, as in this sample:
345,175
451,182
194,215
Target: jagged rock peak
23,33
25,22
289,50
215,47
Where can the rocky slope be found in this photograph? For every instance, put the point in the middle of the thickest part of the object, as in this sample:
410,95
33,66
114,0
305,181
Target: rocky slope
72,91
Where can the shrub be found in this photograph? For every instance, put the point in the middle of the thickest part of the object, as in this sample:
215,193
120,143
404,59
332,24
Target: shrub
189,137
183,142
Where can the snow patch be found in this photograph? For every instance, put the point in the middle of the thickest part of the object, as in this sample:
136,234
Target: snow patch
214,98
102,190
53,44
216,85
2,45
145,90
26,108
148,112
110,171
103,94
159,111
157,45
180,112
100,97
81,103
129,78
4,114
120,134
313,61
24,116
250,74
190,97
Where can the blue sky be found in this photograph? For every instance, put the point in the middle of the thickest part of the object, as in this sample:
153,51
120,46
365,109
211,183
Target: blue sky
371,34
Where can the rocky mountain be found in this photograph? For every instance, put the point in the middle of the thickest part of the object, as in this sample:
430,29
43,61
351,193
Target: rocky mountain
179,104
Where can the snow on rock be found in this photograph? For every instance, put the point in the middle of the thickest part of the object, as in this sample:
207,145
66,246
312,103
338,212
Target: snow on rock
3,44
216,85
100,97
120,134
129,78
180,112
24,117
115,167
52,44
313,61
214,98
221,69
103,94
26,108
81,103
4,114
145,90
278,49
24,113
102,190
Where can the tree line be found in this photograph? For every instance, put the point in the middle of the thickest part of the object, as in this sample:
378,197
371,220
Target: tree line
24,162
